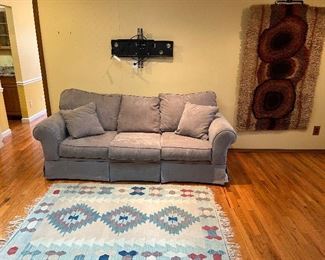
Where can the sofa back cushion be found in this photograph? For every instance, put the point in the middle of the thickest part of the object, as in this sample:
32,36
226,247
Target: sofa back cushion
139,114
172,107
108,105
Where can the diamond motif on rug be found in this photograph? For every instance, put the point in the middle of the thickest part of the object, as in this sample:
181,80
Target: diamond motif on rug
70,219
112,223
123,219
173,219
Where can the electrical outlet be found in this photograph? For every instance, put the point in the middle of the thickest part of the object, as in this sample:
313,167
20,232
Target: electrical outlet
316,130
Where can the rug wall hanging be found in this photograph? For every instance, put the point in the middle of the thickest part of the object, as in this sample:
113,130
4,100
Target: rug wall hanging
280,66
123,222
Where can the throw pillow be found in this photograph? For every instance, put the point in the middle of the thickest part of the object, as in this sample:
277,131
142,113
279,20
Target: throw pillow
195,120
172,106
82,121
107,105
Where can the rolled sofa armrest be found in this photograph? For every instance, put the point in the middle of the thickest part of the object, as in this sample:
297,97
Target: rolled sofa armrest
221,136
51,132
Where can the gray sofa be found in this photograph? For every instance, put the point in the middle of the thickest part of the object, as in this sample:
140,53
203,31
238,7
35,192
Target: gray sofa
141,146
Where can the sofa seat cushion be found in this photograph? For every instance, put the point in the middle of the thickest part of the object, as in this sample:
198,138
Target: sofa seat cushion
91,147
183,148
135,147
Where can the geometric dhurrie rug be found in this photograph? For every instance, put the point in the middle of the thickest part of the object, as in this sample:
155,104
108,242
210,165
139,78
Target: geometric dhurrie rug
125,222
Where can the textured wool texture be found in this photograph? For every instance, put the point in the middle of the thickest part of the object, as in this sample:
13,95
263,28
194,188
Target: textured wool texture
277,85
96,221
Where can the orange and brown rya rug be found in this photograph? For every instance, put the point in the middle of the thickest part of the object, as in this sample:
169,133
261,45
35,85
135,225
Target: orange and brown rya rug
280,65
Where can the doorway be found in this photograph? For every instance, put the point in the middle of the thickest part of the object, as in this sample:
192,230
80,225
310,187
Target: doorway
21,94
7,71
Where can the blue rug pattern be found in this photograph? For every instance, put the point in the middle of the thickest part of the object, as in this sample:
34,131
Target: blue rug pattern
124,222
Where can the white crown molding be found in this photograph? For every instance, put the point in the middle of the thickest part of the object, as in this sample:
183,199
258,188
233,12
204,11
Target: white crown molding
33,117
28,82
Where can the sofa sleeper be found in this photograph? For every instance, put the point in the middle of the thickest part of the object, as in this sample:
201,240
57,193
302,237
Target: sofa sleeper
139,142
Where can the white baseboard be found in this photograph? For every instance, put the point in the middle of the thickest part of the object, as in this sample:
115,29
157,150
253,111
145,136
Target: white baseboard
6,133
3,135
33,117
29,81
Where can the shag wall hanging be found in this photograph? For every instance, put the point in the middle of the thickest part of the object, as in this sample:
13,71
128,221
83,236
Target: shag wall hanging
280,66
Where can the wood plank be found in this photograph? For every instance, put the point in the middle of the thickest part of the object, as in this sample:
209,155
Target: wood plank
275,200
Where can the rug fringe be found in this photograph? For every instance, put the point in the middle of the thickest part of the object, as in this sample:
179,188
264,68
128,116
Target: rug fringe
228,234
15,224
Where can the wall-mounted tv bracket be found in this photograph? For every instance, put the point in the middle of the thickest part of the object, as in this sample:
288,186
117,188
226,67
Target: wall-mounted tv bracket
289,2
140,48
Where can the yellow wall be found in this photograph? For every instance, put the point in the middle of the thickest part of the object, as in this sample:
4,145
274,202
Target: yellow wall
207,36
33,96
3,117
24,51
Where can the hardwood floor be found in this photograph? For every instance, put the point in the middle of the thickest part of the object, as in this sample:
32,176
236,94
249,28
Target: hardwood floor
275,200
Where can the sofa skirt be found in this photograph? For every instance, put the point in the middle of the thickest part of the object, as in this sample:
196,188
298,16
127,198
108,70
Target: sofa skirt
125,171
77,170
193,172
166,171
